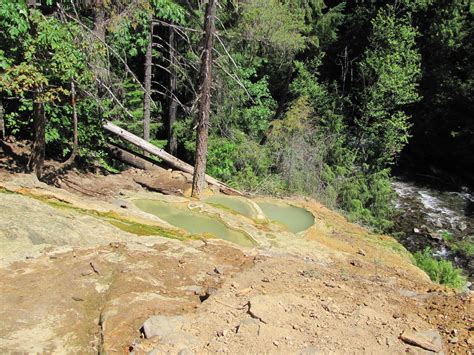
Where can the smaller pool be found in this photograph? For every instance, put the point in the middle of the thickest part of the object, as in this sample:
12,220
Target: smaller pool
233,203
295,219
180,216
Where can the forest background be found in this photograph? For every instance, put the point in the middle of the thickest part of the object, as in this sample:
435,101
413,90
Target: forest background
310,97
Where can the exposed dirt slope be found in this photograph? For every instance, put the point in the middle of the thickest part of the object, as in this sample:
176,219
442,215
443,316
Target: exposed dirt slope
72,282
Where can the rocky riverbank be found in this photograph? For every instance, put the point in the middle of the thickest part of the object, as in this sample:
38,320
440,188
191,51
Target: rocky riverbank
442,220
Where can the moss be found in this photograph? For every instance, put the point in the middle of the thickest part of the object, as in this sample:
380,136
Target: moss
123,223
225,208
5,191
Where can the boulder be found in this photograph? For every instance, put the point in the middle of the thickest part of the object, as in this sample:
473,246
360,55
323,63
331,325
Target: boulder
162,326
427,339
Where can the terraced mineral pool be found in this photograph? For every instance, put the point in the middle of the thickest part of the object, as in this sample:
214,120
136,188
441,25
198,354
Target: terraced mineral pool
295,219
195,223
233,203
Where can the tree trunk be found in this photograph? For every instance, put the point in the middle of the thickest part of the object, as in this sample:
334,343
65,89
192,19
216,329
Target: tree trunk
36,162
2,122
147,85
173,105
100,63
75,141
204,102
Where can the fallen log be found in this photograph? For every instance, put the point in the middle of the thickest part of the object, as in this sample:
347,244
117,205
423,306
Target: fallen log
169,159
130,158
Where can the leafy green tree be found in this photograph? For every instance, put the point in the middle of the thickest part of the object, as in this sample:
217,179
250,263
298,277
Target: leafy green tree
390,71
43,58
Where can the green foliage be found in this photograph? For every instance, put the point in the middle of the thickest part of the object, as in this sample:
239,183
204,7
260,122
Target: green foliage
240,161
130,33
447,237
45,55
440,271
317,157
273,23
465,246
390,70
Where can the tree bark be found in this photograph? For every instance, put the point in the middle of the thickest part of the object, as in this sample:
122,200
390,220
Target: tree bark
173,105
2,122
36,161
100,62
204,102
147,85
75,140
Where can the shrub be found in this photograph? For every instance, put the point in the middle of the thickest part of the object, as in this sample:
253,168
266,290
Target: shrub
440,271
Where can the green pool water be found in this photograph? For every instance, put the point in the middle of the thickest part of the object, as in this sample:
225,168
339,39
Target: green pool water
234,203
294,218
180,216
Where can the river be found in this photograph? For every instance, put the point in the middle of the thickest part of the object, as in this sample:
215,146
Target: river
430,216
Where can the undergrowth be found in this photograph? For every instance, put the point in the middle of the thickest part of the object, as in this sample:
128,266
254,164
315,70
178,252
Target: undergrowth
440,271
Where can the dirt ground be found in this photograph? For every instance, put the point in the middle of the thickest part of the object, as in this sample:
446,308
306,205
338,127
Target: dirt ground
72,283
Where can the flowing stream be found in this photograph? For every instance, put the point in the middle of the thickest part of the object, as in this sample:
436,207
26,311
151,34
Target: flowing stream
436,218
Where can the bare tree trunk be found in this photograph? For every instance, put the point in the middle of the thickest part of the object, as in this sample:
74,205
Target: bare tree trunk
74,119
204,102
172,141
36,161
147,85
100,62
2,122
75,141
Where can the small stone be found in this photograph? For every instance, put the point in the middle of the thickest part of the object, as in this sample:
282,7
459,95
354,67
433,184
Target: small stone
265,279
361,252
222,333
454,340
248,328
87,272
77,299
276,343
356,263
243,292
219,270
416,230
